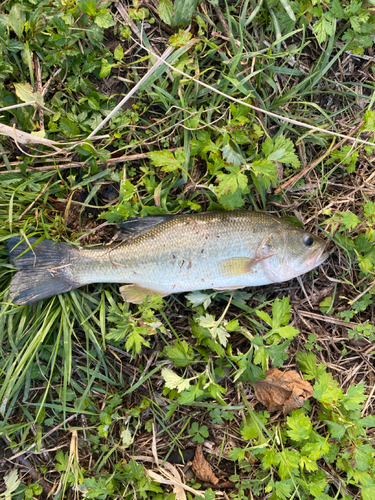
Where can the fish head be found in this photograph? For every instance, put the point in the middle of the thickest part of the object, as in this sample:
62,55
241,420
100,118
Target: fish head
289,252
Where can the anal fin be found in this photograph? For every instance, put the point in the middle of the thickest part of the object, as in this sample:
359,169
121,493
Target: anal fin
136,294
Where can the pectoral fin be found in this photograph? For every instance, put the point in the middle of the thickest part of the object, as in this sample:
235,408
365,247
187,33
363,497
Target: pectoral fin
136,294
237,266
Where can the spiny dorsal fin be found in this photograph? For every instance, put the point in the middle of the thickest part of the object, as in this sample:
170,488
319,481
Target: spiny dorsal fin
136,226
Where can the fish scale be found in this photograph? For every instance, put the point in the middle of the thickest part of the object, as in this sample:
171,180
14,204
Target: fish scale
171,254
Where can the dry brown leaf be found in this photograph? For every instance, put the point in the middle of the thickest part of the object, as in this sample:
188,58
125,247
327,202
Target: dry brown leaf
177,489
284,391
201,468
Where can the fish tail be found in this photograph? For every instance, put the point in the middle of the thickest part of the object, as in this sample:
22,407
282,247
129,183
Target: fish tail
43,271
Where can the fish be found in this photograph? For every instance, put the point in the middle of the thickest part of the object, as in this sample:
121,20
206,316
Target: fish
169,254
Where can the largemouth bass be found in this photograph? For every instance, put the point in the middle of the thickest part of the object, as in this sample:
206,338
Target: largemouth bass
170,254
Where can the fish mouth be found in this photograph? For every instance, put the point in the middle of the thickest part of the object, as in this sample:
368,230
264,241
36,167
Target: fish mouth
319,256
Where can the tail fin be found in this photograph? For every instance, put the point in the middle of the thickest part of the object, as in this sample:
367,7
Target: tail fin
43,271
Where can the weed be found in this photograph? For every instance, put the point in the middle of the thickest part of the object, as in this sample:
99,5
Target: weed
92,389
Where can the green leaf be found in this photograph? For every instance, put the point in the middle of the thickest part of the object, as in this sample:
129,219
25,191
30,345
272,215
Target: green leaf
326,390
368,421
324,27
135,340
105,68
307,364
232,187
25,92
368,492
265,171
308,464
282,150
264,316
181,353
180,39
347,157
104,19
268,458
93,103
287,332
183,12
299,425
62,460
349,220
316,449
364,456
97,489
249,432
232,156
283,489
280,312
336,9
203,144
354,397
190,395
369,209
17,19
167,160
198,298
87,6
278,353
232,326
126,438
288,462
118,53
207,321
174,381
69,128
165,11
237,454
337,431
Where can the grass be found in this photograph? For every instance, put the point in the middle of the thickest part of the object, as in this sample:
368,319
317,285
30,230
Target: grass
261,106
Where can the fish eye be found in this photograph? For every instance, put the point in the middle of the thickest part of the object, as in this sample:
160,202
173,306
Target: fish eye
308,240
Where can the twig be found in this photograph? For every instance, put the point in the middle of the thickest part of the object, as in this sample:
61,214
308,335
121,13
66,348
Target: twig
326,319
44,437
38,76
25,138
223,21
47,84
351,302
31,470
120,159
22,104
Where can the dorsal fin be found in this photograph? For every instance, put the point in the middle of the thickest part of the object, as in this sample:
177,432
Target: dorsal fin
135,226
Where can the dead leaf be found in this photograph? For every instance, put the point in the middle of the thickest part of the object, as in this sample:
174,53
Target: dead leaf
201,468
171,481
177,489
284,391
